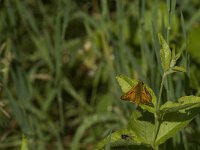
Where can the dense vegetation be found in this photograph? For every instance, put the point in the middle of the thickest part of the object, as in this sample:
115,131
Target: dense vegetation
59,62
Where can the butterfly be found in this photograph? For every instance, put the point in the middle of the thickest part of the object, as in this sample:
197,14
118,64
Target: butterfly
138,94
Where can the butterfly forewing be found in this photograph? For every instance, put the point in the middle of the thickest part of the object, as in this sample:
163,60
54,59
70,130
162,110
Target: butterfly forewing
130,95
145,96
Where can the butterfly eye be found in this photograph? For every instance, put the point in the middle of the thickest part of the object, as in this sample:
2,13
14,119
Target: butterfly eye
132,92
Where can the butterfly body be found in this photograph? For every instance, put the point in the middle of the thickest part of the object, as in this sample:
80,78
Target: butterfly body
126,137
138,94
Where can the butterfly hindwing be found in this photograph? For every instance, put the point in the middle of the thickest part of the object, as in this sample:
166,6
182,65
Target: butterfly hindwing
145,96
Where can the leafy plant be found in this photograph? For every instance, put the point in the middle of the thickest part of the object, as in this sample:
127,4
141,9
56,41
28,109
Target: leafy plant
150,126
59,60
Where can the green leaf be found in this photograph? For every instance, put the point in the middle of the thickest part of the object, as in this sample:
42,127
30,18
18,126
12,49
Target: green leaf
127,83
24,145
178,55
179,69
170,127
173,59
139,133
165,53
115,139
142,125
185,102
176,116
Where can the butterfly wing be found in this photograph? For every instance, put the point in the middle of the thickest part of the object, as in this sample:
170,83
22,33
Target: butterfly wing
145,97
130,95
138,94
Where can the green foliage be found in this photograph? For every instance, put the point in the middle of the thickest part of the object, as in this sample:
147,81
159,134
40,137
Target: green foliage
165,53
173,116
168,58
59,60
166,120
115,139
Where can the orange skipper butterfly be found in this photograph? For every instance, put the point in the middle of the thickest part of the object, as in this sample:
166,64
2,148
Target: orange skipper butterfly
138,94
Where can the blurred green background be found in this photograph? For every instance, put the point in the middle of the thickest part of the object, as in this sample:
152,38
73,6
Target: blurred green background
59,60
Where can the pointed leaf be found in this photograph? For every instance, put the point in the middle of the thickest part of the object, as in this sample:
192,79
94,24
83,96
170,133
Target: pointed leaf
165,53
177,116
138,133
169,128
185,102
142,124
173,59
178,55
179,69
173,123
125,82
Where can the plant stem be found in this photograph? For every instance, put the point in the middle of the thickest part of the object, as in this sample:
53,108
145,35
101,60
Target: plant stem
157,114
160,94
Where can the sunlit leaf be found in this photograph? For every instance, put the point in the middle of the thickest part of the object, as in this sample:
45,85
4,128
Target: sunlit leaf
165,53
176,116
139,133
142,124
179,69
185,102
125,82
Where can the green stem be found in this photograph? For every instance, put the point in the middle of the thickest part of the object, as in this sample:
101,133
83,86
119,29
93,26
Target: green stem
160,94
157,115
169,21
